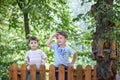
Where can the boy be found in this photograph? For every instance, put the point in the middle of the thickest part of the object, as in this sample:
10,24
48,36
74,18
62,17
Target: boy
35,56
61,51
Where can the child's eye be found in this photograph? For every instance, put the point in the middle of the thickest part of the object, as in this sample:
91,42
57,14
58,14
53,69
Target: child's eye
60,37
31,42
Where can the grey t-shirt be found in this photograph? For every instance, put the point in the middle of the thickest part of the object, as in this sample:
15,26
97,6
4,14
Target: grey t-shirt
35,57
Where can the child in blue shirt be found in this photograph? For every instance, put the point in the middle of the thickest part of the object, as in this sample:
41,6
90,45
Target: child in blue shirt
61,51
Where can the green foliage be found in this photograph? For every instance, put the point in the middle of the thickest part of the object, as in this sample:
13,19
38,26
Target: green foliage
45,18
10,52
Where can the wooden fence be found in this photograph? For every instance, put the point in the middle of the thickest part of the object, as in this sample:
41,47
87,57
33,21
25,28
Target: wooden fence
79,73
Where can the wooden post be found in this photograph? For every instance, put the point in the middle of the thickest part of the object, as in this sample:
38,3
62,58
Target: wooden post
19,74
52,72
88,72
42,72
70,73
24,72
33,72
14,73
94,75
61,72
79,72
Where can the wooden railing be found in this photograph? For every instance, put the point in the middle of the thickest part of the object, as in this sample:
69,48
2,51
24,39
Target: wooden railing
79,73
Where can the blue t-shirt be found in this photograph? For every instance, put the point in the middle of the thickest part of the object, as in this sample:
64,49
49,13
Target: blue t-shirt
62,54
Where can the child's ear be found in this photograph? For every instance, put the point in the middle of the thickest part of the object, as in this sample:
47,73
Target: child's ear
65,39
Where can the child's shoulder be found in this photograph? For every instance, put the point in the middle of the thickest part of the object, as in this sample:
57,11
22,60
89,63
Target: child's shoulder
28,51
31,51
39,50
68,47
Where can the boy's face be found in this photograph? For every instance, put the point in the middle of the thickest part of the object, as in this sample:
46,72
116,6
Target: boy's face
33,44
61,39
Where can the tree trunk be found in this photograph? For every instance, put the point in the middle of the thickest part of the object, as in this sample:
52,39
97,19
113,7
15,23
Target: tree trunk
26,25
103,47
25,12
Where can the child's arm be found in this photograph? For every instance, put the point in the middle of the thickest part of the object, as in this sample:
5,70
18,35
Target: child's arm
27,60
44,61
48,43
73,60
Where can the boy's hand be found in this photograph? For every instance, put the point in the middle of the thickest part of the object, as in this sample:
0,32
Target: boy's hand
71,65
29,63
55,35
48,43
43,63
45,60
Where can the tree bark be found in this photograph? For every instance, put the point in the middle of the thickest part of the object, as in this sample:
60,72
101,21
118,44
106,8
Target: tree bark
26,25
104,48
26,19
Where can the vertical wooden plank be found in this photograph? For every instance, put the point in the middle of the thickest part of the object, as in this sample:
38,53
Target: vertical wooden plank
33,72
70,73
79,72
83,74
88,72
14,73
51,72
42,72
19,74
75,75
61,72
24,72
94,75
10,73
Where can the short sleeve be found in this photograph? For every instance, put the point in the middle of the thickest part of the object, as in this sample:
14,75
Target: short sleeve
71,51
43,55
54,46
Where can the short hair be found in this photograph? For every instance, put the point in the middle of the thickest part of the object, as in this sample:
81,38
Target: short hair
63,33
32,38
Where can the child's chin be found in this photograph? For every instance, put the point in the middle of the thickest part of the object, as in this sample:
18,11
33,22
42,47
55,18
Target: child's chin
34,48
59,43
